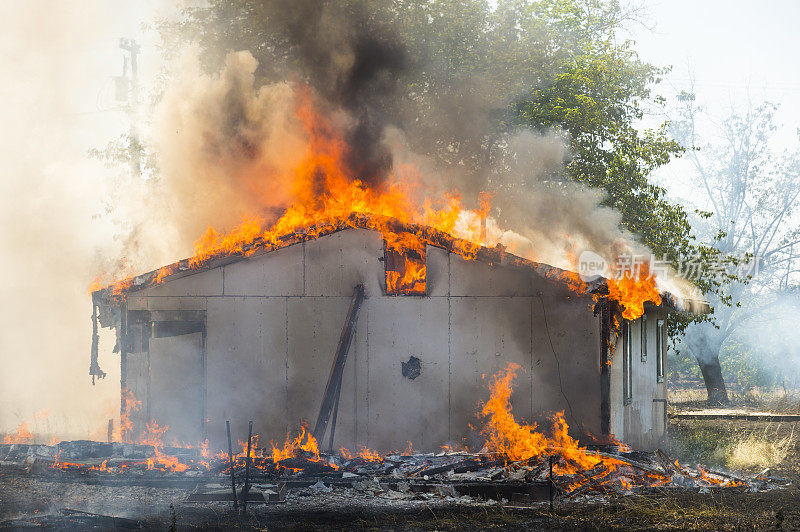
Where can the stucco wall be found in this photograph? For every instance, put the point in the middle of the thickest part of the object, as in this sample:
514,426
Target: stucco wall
273,322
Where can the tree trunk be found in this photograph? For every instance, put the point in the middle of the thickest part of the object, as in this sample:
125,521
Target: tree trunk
705,341
715,384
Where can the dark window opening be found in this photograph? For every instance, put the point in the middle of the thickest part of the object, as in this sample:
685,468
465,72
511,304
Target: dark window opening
627,363
661,349
643,337
404,260
166,329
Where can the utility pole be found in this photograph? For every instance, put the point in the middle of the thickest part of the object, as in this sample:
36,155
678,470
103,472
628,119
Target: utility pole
132,47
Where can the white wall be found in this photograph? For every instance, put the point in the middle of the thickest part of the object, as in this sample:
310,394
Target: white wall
640,423
274,320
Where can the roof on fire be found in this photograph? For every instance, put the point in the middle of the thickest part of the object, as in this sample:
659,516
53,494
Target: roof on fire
117,291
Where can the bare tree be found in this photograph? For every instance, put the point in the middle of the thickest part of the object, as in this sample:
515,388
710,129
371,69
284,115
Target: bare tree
752,190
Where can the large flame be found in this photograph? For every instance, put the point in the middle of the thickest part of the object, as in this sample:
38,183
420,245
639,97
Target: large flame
302,442
633,289
325,190
519,441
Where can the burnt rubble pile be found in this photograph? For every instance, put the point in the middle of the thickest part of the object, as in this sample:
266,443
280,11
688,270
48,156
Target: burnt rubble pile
395,475
88,456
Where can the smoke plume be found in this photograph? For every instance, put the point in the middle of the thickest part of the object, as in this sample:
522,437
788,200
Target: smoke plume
227,140
57,62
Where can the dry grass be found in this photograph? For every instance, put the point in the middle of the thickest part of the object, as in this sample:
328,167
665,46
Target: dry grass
679,396
777,400
759,449
738,445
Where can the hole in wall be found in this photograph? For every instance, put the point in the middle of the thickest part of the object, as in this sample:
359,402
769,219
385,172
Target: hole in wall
412,369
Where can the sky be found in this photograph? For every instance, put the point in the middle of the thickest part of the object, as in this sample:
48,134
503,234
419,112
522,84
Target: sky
736,51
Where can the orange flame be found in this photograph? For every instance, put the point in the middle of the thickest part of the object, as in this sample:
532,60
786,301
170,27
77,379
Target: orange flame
21,435
363,452
154,435
97,283
304,441
507,437
124,433
632,290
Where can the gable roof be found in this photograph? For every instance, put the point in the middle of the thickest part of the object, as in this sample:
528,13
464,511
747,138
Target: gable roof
118,291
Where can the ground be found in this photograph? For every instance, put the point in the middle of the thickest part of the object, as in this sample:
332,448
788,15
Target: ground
338,510
737,444
754,446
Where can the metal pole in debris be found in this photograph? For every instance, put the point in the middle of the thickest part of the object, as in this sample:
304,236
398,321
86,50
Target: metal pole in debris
550,482
246,489
230,457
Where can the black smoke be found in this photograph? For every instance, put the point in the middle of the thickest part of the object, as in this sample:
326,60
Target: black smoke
354,62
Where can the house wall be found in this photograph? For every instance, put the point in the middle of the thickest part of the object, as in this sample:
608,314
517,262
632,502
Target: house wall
642,422
273,322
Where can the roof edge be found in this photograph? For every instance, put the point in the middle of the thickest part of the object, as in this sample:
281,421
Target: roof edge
117,291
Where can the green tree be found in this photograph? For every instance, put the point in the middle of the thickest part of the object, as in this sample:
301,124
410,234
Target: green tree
597,95
542,64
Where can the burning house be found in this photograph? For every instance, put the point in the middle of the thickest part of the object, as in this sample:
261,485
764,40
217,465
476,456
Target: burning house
370,303
384,331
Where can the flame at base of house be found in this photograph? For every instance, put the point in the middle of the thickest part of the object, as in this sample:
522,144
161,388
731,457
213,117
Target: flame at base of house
514,453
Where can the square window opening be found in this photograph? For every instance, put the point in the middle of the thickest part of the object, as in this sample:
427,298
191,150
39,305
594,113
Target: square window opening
404,262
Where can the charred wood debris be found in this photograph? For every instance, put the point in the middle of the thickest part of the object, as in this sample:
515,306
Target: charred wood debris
256,478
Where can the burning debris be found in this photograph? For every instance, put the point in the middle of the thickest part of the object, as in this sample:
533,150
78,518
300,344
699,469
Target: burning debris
518,463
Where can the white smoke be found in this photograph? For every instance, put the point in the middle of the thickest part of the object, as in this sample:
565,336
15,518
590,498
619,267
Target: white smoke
57,63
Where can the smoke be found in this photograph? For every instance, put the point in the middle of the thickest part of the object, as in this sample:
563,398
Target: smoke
556,218
353,60
759,351
226,149
57,63
227,141
229,149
